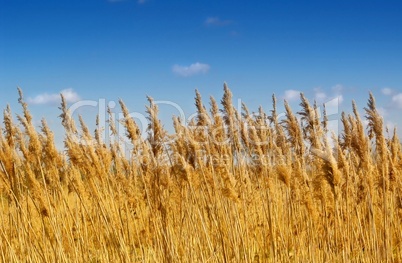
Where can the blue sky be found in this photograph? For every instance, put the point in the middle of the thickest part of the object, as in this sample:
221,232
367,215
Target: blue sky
100,49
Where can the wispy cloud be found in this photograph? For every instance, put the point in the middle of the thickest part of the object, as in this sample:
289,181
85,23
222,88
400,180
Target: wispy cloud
333,100
291,95
386,91
319,95
337,89
216,21
193,69
45,98
382,111
390,125
142,1
397,100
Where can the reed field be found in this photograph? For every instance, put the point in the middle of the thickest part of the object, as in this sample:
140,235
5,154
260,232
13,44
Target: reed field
229,186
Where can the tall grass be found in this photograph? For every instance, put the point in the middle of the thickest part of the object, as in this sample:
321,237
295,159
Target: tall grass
229,187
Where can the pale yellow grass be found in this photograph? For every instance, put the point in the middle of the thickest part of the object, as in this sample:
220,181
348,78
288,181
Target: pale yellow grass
234,187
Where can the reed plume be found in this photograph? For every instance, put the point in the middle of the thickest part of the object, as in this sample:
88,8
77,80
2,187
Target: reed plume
226,186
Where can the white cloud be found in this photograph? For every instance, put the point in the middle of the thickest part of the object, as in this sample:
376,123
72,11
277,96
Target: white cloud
382,111
216,21
291,95
332,101
397,100
390,126
320,96
69,94
338,88
335,102
386,91
193,69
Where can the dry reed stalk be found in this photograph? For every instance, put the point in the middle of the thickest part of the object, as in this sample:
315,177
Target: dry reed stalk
231,117
375,129
279,132
156,132
132,130
311,124
253,202
295,133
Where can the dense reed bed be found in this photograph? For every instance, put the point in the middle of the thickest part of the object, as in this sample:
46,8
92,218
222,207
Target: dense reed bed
229,186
